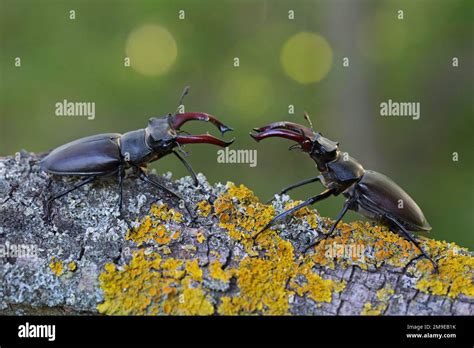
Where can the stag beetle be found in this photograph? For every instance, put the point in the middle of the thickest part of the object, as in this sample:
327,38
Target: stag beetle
368,193
109,154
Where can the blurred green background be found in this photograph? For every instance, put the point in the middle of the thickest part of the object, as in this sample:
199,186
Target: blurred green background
282,62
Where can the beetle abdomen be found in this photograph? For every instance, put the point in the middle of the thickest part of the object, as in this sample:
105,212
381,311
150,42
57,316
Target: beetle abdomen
94,155
383,194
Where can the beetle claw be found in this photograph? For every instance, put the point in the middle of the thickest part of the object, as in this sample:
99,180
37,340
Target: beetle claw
178,120
202,139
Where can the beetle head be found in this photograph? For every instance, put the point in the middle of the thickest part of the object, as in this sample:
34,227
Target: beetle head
164,133
318,147
159,136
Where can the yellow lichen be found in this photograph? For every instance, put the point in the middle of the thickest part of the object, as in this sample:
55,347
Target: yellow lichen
152,227
242,214
388,247
163,213
149,285
370,310
193,301
204,208
200,237
228,306
270,275
267,284
384,294
216,271
317,288
382,299
455,276
56,267
71,266
194,271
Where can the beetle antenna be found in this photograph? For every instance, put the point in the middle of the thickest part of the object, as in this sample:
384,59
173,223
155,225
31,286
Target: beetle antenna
306,116
184,94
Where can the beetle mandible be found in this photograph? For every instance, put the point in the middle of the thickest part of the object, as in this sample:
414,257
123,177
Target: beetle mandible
109,154
367,192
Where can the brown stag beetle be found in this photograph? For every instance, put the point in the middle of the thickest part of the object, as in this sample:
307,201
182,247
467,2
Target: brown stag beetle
368,193
109,154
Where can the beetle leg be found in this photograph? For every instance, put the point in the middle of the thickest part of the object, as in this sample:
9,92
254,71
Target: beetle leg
50,201
407,235
121,175
142,175
312,200
189,168
343,212
298,184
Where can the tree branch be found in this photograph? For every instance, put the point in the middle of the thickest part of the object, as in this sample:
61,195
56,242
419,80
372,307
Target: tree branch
86,261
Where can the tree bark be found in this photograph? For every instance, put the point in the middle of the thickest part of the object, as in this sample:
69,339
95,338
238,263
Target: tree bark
60,273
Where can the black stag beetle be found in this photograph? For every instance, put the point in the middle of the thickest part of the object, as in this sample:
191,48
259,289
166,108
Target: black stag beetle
369,193
109,154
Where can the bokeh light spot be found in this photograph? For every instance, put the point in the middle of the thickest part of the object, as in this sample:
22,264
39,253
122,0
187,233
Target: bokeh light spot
152,49
306,57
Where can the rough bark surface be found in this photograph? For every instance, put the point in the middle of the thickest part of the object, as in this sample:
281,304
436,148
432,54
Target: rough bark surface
86,230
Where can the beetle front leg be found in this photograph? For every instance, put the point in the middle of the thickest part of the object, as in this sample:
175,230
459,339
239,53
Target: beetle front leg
121,176
298,184
310,201
142,175
189,168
